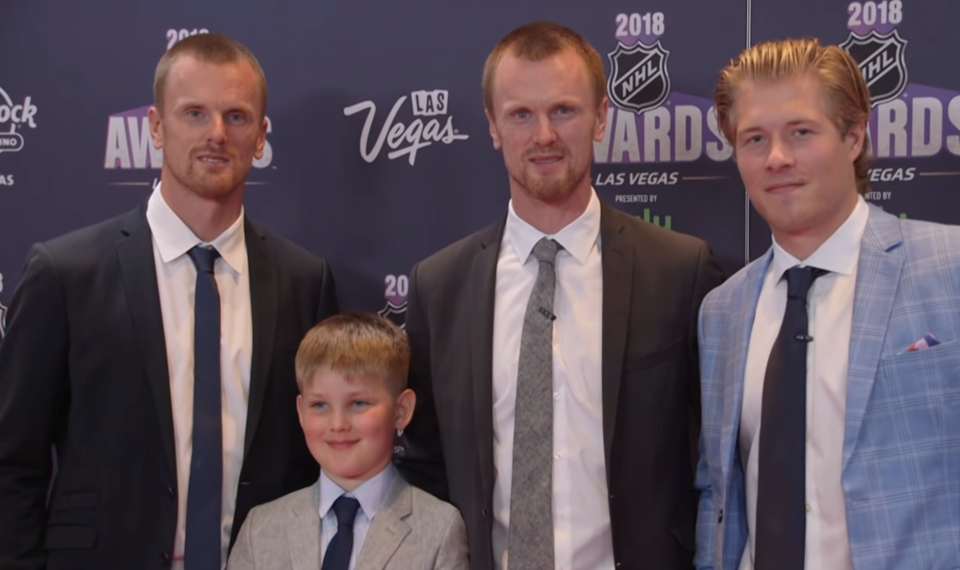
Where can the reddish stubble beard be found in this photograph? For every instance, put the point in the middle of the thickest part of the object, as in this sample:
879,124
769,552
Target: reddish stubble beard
210,185
551,186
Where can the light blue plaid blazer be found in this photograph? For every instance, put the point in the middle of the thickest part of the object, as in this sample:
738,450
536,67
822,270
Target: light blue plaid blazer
901,444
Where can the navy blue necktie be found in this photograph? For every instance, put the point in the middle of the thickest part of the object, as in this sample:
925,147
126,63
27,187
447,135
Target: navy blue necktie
202,546
337,556
781,490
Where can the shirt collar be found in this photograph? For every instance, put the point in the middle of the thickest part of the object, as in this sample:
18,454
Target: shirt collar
370,493
577,238
839,254
174,238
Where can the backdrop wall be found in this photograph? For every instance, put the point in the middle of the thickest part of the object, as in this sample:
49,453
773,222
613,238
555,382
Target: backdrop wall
76,82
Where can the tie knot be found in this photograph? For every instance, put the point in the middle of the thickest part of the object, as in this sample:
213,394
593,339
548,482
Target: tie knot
800,279
346,510
546,250
203,257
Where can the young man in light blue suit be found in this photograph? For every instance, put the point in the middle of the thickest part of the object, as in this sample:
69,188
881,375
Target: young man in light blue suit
842,343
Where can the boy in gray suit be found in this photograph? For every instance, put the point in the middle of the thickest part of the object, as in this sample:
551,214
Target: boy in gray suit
361,514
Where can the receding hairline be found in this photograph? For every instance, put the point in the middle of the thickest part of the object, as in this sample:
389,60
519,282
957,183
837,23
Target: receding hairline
538,41
213,49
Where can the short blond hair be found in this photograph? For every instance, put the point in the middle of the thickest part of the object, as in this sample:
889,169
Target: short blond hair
537,41
847,95
209,48
355,343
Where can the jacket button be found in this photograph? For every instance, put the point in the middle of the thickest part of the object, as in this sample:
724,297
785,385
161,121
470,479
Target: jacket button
171,493
164,558
485,513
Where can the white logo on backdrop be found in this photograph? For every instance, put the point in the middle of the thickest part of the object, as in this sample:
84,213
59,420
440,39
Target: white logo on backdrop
16,114
407,140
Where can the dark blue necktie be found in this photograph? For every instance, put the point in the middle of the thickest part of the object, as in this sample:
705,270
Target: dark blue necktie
337,556
781,490
202,546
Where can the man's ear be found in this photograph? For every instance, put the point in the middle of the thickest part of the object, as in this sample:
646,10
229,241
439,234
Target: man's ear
156,127
600,124
855,138
494,133
261,139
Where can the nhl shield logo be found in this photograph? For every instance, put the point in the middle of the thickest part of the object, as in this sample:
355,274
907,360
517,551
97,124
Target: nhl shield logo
881,61
638,79
397,314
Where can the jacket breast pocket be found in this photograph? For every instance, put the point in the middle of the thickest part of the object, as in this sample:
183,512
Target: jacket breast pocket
937,366
70,537
75,500
661,354
653,382
920,389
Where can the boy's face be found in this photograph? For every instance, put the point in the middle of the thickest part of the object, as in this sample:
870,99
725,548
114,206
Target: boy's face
349,423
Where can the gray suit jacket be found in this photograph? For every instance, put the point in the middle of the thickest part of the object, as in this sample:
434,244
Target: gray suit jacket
411,531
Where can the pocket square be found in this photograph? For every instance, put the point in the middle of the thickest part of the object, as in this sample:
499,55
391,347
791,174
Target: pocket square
927,341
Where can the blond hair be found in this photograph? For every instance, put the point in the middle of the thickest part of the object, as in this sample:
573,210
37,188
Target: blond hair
537,41
209,48
847,95
355,343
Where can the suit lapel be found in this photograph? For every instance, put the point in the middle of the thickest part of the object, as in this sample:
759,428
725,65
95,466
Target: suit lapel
743,309
303,532
617,269
878,276
388,529
483,284
263,308
139,273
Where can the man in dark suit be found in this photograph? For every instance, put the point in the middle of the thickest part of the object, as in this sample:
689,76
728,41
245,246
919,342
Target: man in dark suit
555,352
154,352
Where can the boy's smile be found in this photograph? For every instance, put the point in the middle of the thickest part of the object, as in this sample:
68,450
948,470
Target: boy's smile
349,422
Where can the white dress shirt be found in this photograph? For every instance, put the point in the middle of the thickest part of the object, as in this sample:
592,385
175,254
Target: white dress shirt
370,494
581,515
176,282
830,310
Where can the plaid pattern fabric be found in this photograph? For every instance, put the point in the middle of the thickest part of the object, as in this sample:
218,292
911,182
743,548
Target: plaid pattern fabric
901,447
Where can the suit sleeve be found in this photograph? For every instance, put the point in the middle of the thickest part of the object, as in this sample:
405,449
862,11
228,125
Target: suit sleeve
706,525
421,463
709,276
34,392
242,556
328,305
453,549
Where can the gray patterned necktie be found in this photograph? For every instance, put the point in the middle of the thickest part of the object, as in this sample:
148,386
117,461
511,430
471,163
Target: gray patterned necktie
531,492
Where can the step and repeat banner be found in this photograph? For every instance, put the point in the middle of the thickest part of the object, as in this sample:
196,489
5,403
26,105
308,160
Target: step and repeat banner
76,83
